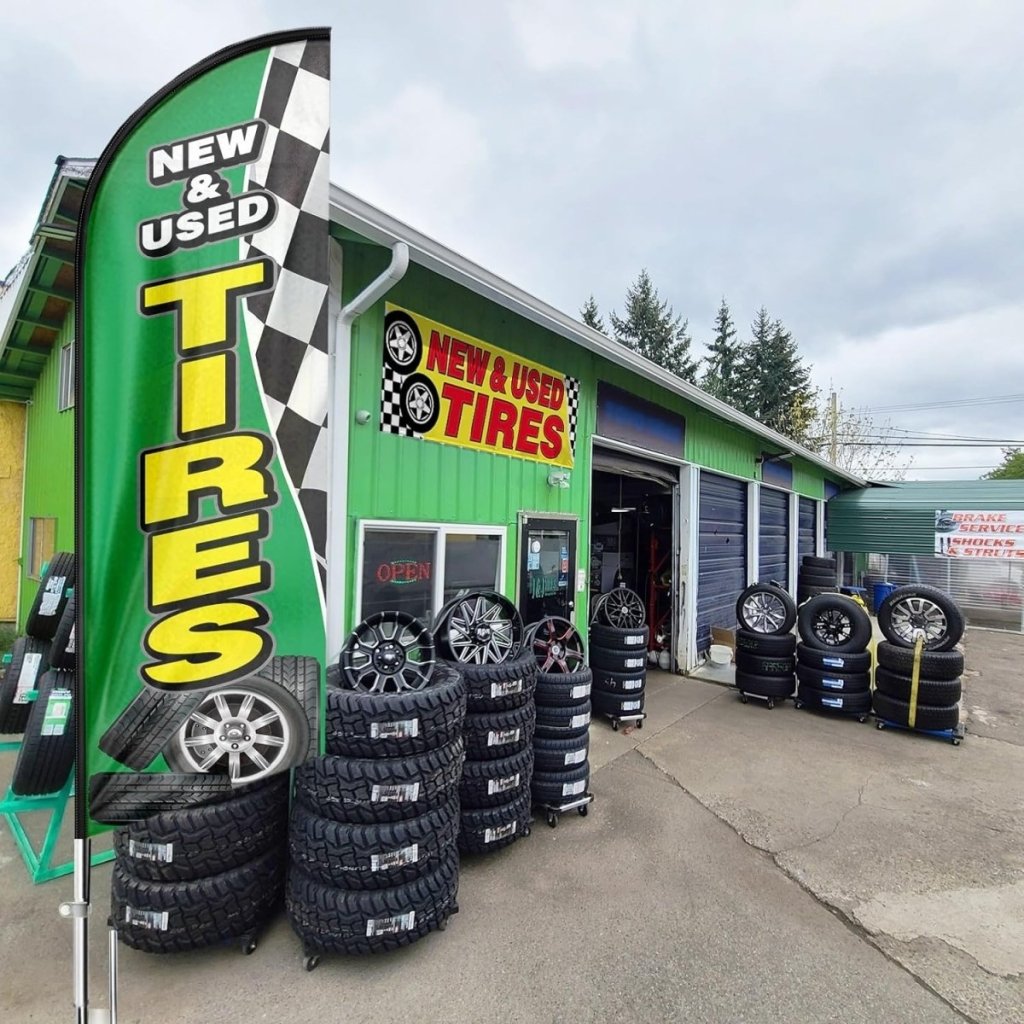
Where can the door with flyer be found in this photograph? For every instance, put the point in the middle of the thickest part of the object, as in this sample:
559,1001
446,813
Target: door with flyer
547,571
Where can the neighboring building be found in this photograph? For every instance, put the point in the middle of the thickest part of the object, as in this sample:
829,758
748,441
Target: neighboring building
37,371
646,478
903,533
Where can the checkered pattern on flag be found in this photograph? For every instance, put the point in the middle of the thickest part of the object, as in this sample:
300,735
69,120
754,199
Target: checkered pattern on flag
287,328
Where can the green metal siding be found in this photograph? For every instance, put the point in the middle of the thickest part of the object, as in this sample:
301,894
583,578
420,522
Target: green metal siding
49,467
393,477
901,518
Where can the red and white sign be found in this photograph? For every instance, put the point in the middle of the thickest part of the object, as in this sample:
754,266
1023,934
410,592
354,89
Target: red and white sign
960,534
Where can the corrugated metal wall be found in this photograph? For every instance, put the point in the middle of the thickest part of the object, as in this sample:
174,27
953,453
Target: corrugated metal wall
12,477
773,533
49,467
722,553
807,528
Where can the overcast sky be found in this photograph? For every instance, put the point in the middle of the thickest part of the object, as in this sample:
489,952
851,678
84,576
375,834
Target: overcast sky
856,168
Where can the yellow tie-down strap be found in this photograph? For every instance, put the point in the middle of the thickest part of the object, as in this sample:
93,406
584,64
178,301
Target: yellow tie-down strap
915,678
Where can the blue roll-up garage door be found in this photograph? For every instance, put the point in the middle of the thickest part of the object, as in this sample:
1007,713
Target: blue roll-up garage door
773,540
808,526
722,553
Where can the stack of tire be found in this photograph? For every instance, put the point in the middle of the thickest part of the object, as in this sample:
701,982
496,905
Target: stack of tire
618,656
494,791
765,644
561,743
199,876
36,695
906,612
833,661
817,575
373,862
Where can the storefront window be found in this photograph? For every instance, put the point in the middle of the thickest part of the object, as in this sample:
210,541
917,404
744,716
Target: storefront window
471,562
398,572
416,568
41,539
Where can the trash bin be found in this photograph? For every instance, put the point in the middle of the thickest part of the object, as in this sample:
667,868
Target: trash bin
879,593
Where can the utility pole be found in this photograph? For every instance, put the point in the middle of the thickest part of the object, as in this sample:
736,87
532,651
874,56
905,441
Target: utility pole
833,415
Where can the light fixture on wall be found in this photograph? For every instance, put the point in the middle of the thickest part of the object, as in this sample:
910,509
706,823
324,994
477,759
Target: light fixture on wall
777,457
558,478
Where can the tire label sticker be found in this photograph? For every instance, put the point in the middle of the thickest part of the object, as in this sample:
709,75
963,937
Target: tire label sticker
502,785
58,711
576,756
70,648
154,920
390,925
633,684
403,730
631,705
574,788
634,663
395,858
499,737
507,688
27,677
161,853
832,684
583,690
832,702
633,641
52,594
578,721
492,835
400,794
833,662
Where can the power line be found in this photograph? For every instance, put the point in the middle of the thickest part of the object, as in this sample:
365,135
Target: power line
960,403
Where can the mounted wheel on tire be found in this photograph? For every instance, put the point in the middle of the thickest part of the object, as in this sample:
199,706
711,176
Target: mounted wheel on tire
834,623
765,608
910,612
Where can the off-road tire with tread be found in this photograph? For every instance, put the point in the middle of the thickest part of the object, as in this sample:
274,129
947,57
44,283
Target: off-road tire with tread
332,920
360,857
929,716
499,733
196,842
379,724
762,665
780,646
509,684
373,790
199,913
491,783
937,665
941,693
491,828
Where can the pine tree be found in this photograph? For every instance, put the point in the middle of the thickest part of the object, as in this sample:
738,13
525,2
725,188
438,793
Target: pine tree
591,315
650,328
722,361
775,382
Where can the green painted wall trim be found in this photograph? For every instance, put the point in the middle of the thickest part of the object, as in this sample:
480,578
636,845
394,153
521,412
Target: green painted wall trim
49,467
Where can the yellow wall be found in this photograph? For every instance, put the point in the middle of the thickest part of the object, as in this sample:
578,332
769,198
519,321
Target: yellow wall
12,475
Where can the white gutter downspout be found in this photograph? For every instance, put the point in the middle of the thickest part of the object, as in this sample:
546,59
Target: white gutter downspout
339,397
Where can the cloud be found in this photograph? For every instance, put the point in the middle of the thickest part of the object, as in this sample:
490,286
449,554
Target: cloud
574,34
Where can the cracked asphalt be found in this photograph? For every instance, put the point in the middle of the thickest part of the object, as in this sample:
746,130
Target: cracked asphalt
738,865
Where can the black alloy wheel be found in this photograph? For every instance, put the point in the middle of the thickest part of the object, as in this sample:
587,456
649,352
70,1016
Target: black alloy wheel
387,653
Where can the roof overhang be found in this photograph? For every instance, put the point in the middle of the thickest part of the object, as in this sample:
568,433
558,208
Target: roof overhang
37,295
359,216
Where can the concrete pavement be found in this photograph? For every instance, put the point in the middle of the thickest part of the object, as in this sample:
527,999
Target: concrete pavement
738,865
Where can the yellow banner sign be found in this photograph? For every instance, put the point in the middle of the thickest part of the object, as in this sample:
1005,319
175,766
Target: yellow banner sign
455,389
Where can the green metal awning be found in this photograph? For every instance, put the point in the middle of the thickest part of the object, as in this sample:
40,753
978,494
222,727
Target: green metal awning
37,295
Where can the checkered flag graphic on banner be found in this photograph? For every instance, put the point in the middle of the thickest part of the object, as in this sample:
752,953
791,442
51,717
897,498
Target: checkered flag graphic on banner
394,421
287,328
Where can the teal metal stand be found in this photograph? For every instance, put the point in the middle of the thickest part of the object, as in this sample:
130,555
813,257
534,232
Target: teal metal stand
39,862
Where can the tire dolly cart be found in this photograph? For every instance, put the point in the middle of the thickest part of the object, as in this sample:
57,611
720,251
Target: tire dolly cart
579,804
745,698
637,719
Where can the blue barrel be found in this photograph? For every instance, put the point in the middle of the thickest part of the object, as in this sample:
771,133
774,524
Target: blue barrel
879,592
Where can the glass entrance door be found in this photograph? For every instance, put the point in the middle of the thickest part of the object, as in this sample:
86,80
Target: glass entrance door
547,571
